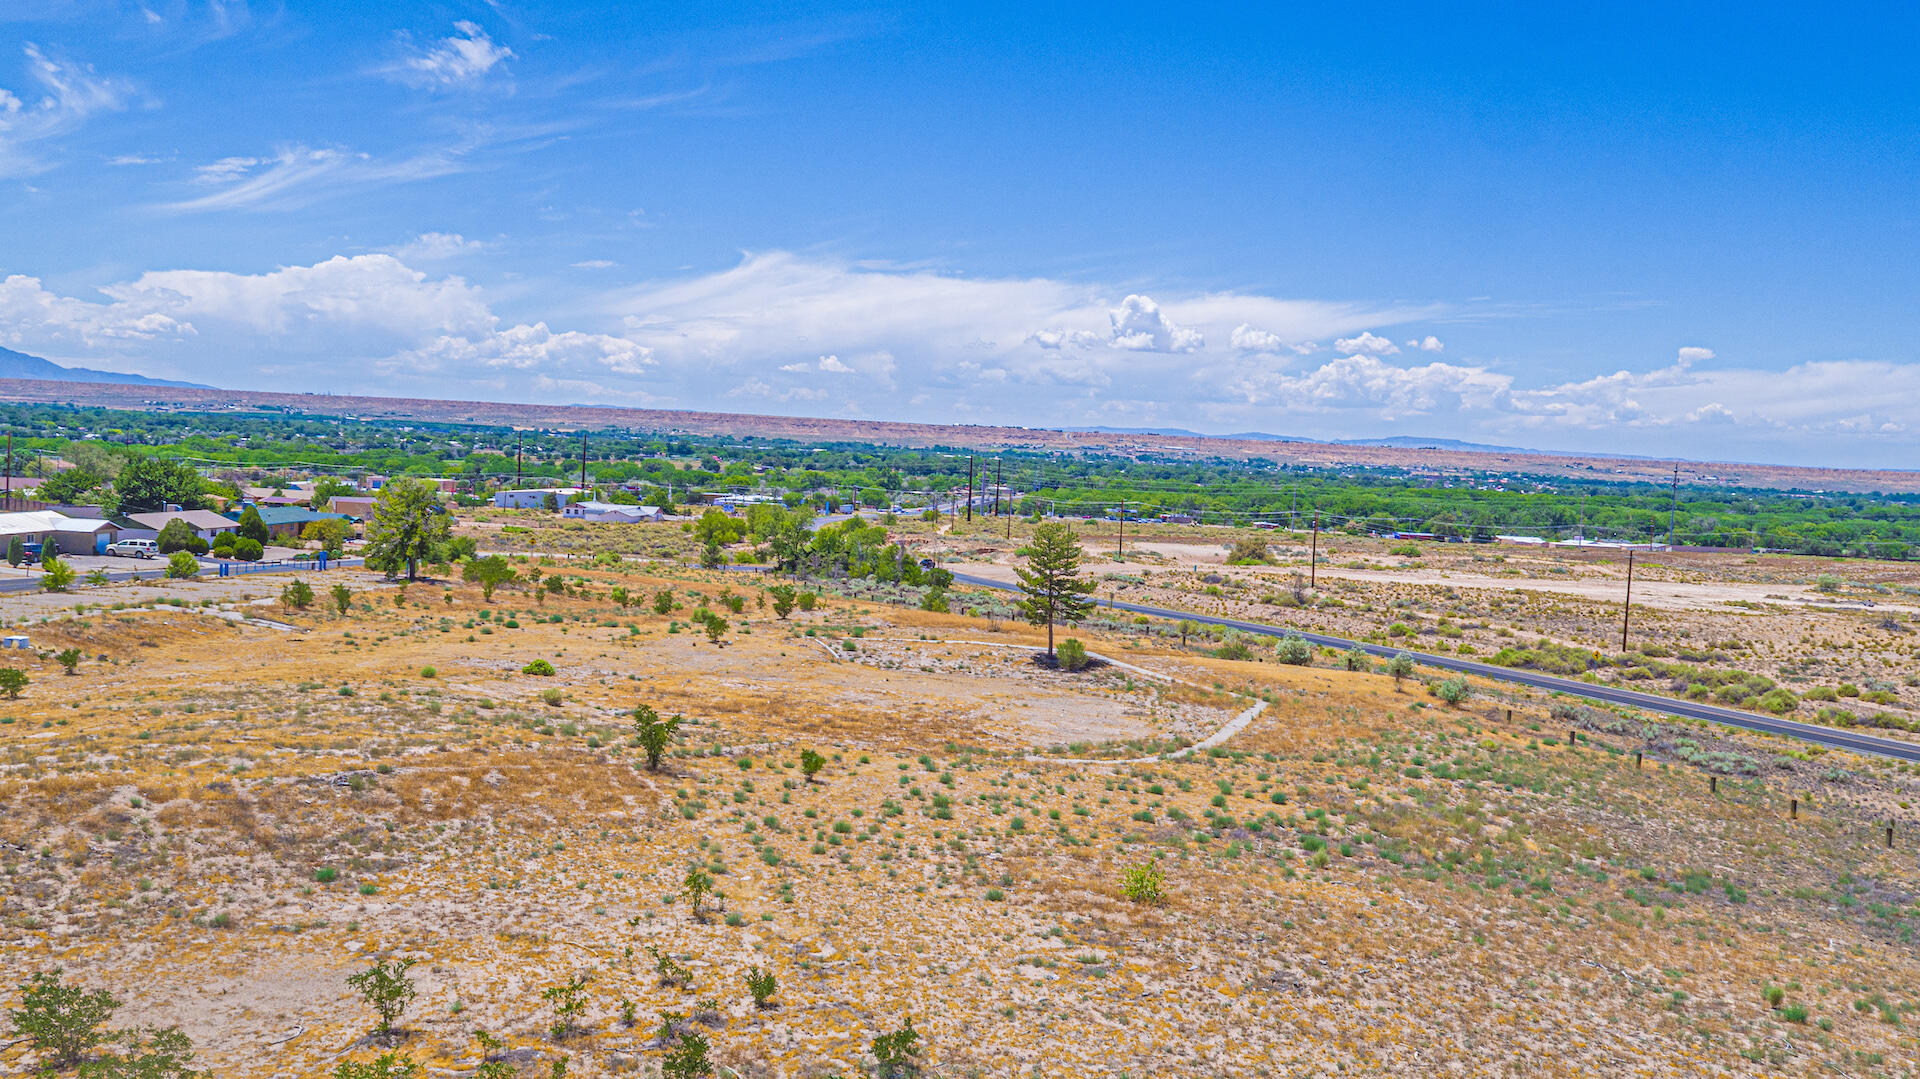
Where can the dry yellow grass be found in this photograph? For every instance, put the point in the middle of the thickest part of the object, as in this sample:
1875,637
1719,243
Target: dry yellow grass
1362,881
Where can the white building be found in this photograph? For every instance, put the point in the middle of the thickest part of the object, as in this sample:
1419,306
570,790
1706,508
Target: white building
532,498
609,511
57,531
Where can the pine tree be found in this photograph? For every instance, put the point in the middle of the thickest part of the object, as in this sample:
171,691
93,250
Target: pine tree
1055,590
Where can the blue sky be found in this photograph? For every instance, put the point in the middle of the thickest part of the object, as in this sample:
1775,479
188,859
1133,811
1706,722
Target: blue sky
1655,230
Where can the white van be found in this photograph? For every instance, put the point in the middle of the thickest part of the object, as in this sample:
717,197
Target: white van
134,548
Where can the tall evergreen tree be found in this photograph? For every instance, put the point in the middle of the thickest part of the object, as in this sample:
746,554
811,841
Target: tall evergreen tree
251,526
1055,590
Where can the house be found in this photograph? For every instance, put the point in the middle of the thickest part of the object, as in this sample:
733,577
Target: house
287,522
205,523
533,498
354,506
608,511
57,532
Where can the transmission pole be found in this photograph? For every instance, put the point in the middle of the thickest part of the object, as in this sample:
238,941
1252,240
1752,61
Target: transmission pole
1626,612
999,481
9,494
583,462
519,474
1123,530
1313,560
969,488
1674,508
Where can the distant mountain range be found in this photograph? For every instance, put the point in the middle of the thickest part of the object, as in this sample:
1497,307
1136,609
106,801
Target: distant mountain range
1398,442
20,365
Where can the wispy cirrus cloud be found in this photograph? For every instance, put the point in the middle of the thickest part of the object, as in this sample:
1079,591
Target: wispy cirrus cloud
66,94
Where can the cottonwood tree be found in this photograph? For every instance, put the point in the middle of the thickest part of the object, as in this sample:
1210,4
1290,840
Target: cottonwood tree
1054,589
489,573
404,526
148,484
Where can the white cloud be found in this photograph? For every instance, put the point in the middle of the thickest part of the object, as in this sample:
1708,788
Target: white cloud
344,314
595,264
779,327
1058,339
296,175
69,93
525,348
1247,339
461,60
1428,343
1367,344
1367,382
1140,325
434,246
1693,353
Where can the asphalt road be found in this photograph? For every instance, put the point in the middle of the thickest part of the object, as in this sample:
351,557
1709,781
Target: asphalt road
1826,736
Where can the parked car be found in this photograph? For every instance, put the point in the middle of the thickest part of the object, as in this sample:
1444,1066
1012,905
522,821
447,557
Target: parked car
134,548
30,552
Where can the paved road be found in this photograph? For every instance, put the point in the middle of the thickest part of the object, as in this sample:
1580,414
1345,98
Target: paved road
1826,736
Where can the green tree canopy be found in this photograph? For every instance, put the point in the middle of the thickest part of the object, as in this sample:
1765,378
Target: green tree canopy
148,484
1054,591
404,526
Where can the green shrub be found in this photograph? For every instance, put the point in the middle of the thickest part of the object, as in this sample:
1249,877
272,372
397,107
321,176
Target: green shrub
297,596
1072,654
248,550
1144,883
61,1022
539,666
384,1066
898,1053
762,985
1454,691
12,681
386,989
181,565
1293,649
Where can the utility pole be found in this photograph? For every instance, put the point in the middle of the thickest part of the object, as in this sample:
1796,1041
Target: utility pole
519,474
1313,561
969,488
1627,611
1123,530
1674,508
9,494
999,481
583,461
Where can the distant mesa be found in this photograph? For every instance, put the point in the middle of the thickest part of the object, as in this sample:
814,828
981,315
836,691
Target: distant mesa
20,365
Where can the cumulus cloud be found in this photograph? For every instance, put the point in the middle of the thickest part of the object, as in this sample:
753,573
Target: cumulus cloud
68,94
1429,343
527,347
341,314
461,60
1693,353
1367,382
1139,325
1367,344
782,328
1247,339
